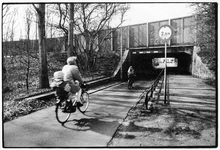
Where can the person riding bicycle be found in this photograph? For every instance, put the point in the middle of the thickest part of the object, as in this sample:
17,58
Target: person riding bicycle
131,74
72,74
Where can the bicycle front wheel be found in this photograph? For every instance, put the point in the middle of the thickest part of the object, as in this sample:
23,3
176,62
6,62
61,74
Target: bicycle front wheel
61,115
85,100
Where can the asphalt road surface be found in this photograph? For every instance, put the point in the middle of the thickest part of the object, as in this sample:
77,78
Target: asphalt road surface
95,128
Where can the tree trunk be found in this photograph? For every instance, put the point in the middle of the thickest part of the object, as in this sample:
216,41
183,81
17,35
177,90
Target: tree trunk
87,51
70,32
43,78
28,63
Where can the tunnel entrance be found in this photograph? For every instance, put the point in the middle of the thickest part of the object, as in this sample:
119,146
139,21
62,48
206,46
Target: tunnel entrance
142,64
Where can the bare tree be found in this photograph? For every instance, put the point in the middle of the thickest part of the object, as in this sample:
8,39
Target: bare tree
91,19
8,18
88,20
28,28
70,32
43,76
5,11
61,12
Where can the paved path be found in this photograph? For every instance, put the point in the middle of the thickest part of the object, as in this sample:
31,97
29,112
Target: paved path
107,110
191,93
189,119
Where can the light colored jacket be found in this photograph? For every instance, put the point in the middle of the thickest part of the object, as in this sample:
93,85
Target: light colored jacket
71,73
130,71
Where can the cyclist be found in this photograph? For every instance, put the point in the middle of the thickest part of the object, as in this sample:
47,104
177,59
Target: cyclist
131,76
72,74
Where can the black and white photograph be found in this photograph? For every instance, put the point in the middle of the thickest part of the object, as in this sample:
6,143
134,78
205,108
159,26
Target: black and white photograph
114,74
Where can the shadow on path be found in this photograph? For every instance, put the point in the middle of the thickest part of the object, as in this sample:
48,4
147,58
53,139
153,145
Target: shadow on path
94,124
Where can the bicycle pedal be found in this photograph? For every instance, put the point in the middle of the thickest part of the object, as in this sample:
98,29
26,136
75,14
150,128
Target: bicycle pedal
66,111
79,104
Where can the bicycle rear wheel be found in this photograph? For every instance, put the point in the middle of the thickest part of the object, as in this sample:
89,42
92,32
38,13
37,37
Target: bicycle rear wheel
85,100
61,115
129,84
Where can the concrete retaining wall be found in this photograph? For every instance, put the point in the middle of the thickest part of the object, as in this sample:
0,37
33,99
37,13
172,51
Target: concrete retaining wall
123,63
198,68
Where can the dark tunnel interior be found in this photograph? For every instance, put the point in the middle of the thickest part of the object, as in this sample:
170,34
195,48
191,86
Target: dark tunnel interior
142,64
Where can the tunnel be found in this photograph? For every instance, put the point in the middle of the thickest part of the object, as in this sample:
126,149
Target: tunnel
142,63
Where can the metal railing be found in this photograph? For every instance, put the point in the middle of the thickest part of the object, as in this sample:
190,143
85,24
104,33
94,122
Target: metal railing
150,92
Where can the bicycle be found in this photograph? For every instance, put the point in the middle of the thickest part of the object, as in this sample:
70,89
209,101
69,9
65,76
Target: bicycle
64,106
130,81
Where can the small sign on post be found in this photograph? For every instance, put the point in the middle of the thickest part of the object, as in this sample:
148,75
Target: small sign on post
165,34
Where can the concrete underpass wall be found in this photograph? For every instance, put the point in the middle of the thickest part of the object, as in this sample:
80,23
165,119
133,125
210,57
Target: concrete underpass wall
198,68
124,64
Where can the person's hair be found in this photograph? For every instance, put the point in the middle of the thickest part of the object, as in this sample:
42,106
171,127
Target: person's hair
71,60
58,76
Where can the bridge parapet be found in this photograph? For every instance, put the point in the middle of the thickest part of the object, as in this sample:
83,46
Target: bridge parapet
146,34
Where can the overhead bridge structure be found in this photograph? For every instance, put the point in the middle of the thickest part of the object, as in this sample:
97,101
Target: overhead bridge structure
143,43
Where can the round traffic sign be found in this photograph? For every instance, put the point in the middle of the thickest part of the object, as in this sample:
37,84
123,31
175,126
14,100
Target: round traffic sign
165,32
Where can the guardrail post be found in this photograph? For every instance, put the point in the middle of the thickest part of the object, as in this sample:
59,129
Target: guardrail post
153,92
168,94
165,72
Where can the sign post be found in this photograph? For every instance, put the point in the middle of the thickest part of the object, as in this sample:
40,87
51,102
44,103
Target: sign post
165,34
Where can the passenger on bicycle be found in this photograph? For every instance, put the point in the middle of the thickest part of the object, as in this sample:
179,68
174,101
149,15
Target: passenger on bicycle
131,74
61,87
72,74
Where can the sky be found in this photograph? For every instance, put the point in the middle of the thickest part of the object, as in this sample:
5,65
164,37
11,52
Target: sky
138,13
149,12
